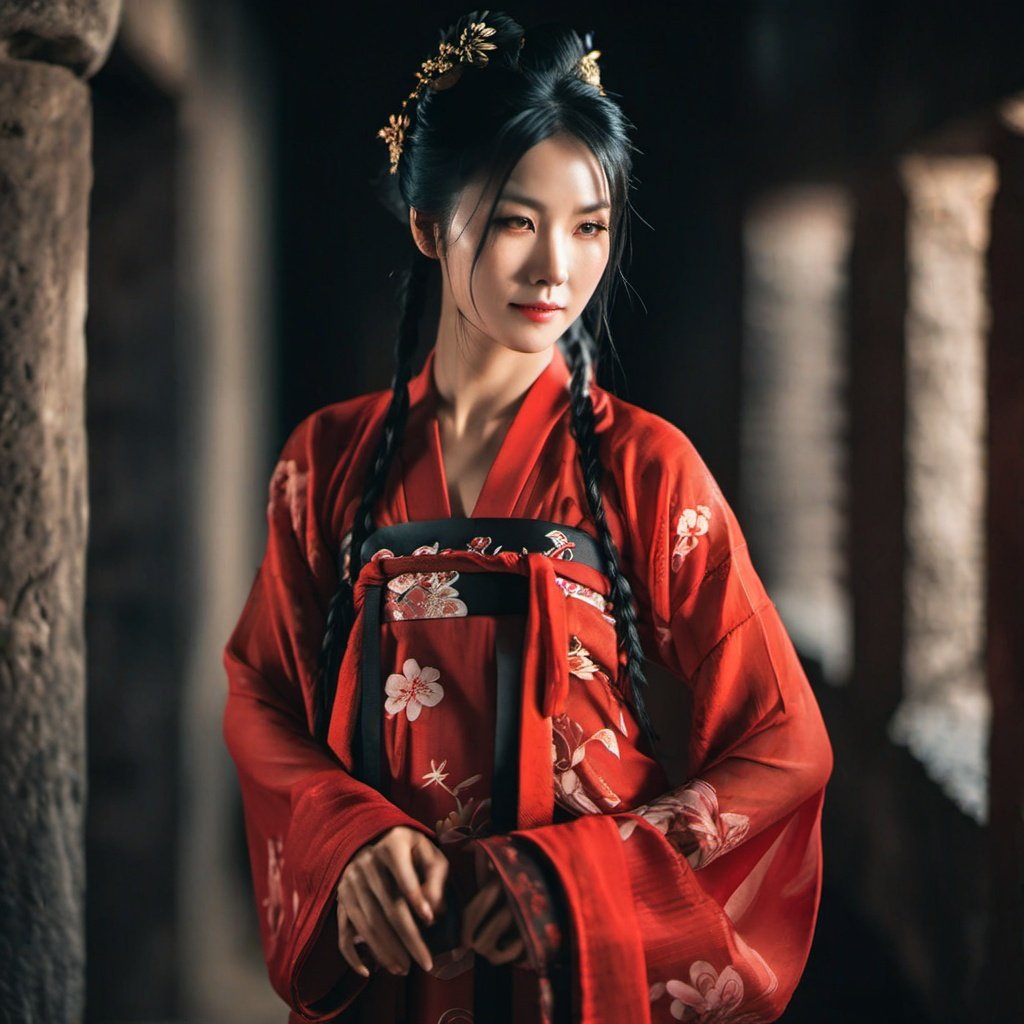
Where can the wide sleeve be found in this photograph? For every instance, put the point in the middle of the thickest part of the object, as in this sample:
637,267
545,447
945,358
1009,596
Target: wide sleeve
701,902
305,815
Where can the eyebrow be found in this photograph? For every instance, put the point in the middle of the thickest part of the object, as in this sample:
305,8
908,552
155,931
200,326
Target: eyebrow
601,204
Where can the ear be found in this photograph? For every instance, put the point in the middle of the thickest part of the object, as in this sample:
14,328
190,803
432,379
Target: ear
424,233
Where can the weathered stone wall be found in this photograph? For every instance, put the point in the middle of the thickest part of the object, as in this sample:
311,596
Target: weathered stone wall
45,179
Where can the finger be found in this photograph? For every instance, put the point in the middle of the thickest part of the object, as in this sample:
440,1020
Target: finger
380,936
399,916
493,929
402,867
347,943
476,910
508,954
434,866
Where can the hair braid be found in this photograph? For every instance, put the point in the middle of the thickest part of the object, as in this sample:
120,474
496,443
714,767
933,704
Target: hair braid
341,609
583,428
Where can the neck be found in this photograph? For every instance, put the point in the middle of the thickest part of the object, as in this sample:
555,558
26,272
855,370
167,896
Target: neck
480,382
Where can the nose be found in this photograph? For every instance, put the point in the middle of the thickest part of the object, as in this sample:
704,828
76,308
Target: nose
550,262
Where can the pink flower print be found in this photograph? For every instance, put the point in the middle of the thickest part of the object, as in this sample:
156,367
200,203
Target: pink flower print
580,662
561,546
413,689
578,785
274,900
288,490
423,595
692,524
690,819
709,998
573,589
479,544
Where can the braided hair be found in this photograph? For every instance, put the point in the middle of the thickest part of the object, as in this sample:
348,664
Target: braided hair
527,92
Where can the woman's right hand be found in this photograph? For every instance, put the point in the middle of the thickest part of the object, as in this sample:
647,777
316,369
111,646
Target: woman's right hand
384,881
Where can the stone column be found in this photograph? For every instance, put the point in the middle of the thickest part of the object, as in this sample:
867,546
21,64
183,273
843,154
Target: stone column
45,179
944,714
794,372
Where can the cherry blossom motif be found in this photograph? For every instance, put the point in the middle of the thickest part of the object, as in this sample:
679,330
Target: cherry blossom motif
479,544
413,689
468,819
573,589
577,783
288,490
689,819
692,524
580,662
708,998
423,595
274,900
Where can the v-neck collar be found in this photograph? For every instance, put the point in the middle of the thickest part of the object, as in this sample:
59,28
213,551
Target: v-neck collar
423,476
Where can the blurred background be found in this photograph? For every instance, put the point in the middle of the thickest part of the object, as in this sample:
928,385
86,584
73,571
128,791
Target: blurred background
826,296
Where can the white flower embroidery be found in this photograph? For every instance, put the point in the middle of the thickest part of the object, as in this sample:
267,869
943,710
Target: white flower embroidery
709,998
577,783
466,820
692,524
413,689
580,662
690,814
423,595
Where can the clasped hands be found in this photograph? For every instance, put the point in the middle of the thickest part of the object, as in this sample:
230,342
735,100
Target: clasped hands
404,872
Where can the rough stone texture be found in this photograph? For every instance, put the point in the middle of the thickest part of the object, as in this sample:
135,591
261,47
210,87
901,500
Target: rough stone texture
944,715
1001,996
45,177
74,33
794,371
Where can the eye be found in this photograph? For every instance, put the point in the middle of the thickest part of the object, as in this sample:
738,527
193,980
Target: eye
596,225
512,221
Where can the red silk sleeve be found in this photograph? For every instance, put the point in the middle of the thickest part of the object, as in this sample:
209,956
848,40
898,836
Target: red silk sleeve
700,904
305,815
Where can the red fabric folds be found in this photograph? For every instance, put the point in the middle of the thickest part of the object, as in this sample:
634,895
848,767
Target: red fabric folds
695,902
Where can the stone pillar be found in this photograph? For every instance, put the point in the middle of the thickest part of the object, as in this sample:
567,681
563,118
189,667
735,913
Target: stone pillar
944,714
1000,996
45,179
794,372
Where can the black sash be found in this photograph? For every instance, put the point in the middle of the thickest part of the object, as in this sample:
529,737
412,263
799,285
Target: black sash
487,593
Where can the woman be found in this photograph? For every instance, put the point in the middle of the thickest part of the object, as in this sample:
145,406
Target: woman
452,803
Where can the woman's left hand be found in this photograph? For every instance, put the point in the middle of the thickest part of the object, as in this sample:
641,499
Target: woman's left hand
488,924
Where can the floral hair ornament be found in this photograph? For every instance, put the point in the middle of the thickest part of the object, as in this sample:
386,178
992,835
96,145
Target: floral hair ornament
587,69
439,73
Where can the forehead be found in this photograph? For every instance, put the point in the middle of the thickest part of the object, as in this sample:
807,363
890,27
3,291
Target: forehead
559,166
559,172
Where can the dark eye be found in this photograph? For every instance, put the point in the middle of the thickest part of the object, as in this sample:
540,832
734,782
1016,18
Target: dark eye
513,222
596,225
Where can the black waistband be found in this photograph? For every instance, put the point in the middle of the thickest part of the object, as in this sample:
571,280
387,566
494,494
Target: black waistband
487,535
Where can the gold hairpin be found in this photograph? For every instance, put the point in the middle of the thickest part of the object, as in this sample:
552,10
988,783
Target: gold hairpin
439,73
444,70
587,69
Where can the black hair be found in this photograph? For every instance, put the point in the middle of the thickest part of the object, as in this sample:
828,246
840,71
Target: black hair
480,127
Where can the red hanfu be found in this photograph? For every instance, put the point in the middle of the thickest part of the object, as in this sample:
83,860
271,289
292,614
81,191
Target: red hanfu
642,902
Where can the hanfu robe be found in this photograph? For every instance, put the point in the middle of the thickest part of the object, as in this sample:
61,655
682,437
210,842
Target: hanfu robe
637,900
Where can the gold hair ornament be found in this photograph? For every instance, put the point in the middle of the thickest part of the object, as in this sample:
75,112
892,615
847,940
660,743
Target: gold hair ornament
587,69
444,70
439,73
